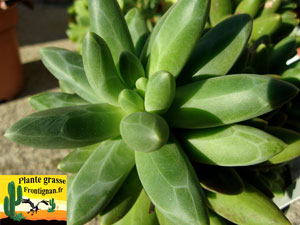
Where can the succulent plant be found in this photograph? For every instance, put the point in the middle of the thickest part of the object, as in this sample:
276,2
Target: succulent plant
10,202
52,204
162,133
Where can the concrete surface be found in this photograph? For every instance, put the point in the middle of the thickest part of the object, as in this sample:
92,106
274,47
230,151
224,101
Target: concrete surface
45,26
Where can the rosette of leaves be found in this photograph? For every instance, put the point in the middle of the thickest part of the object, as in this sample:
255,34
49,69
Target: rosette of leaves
150,148
151,10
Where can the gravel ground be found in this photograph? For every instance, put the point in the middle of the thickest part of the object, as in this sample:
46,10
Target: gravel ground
45,26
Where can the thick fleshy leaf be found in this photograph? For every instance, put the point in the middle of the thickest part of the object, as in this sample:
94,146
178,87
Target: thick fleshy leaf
210,178
98,180
265,25
292,76
107,20
67,66
215,219
162,219
141,85
250,7
270,7
130,101
184,24
250,207
233,145
160,92
138,28
144,132
131,68
219,9
217,51
75,159
100,69
227,99
290,137
172,185
123,200
49,100
140,213
67,127
281,52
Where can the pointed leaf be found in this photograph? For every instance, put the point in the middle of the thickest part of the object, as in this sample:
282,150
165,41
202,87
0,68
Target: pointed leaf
123,200
108,22
290,137
67,66
222,145
67,127
131,68
75,159
49,100
160,92
137,27
184,24
250,207
217,51
100,69
227,99
140,213
172,185
98,180
144,132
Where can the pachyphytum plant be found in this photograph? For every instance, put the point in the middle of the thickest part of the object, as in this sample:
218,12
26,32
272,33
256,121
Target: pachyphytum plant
160,129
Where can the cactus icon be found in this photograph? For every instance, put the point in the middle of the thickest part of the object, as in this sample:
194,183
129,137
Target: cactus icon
53,205
10,202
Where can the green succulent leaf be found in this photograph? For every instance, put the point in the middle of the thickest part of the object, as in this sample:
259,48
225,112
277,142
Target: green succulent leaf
160,92
49,100
140,213
138,28
75,159
215,219
265,25
227,99
250,207
143,131
130,101
131,68
100,69
281,52
290,137
162,219
123,201
217,51
292,76
232,145
67,66
108,22
172,185
219,9
270,7
210,178
141,85
98,180
184,24
67,127
250,7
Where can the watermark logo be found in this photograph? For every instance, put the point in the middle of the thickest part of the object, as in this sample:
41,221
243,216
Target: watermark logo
33,199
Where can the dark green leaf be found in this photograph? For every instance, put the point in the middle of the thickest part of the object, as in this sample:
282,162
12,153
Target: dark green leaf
67,127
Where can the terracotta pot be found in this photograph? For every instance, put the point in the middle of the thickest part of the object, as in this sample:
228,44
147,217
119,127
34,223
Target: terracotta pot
11,74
